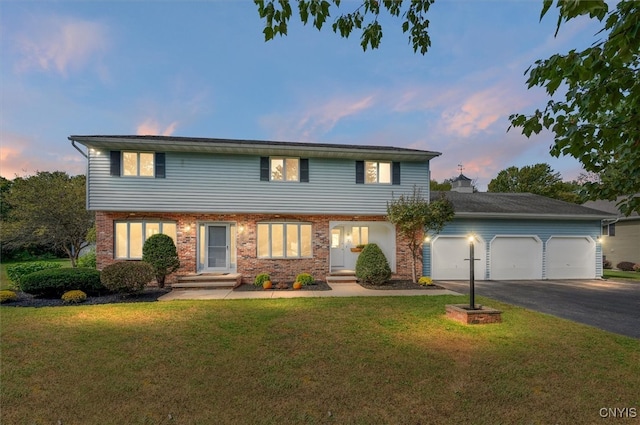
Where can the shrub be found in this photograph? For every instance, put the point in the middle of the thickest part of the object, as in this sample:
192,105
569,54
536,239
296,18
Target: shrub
17,271
372,266
74,297
606,264
626,266
636,267
305,279
7,296
261,278
88,260
127,276
52,283
161,253
425,281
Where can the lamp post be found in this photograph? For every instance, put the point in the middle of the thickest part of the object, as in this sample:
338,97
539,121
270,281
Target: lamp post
472,295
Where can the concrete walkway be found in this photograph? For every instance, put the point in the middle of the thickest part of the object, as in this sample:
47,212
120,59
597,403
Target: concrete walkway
338,290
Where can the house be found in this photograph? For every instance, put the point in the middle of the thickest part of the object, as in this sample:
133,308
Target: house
247,206
516,236
620,235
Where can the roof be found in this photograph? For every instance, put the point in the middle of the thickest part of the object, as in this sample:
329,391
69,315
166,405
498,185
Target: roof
462,177
611,208
253,147
517,205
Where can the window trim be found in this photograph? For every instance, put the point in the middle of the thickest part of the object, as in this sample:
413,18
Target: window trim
144,224
138,168
284,169
394,175
284,225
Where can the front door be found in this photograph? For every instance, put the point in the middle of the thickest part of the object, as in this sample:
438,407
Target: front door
337,247
214,247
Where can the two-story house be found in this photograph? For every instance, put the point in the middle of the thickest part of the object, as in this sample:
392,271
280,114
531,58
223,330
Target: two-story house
247,206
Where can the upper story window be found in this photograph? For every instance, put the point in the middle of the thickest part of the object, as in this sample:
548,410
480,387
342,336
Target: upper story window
129,236
140,164
377,172
285,169
282,169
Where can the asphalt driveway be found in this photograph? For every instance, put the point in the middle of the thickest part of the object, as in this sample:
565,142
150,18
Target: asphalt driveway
610,305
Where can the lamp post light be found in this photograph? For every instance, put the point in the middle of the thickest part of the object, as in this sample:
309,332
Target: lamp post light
472,295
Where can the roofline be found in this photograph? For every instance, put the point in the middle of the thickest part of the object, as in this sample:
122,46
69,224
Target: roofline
255,147
533,216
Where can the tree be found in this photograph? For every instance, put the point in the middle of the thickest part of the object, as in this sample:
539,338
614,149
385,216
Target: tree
48,209
598,121
161,253
539,179
413,215
434,186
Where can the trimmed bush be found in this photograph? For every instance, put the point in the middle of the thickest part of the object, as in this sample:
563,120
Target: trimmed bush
17,271
606,264
88,260
305,279
425,281
626,266
7,295
161,253
372,266
52,283
636,267
127,276
261,278
74,297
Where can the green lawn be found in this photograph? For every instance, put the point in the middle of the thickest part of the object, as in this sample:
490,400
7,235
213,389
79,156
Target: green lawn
613,274
393,360
6,283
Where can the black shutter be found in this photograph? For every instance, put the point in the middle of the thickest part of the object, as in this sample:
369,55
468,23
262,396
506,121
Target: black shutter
304,170
359,172
264,168
115,163
160,165
395,174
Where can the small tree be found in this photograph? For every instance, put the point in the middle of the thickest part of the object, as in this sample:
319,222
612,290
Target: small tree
160,251
413,215
372,266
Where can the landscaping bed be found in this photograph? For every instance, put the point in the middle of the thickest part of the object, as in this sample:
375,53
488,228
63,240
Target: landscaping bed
27,300
318,285
400,284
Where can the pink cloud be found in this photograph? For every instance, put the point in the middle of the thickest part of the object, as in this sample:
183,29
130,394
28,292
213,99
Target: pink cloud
60,44
151,127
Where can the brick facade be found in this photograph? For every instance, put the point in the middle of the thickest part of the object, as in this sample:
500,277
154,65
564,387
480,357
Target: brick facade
247,263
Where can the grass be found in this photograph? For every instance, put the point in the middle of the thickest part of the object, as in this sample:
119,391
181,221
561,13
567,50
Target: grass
613,274
390,360
6,283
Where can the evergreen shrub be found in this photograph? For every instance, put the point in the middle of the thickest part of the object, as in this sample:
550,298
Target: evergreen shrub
372,266
127,276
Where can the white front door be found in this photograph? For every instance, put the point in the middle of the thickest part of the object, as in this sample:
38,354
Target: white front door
214,247
337,247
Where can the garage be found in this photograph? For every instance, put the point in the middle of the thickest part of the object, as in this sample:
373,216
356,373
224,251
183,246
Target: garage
571,257
450,258
515,257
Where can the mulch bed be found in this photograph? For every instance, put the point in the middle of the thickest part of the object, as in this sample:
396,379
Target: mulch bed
400,284
318,285
148,295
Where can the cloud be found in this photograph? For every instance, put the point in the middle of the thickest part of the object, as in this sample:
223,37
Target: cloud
151,127
60,44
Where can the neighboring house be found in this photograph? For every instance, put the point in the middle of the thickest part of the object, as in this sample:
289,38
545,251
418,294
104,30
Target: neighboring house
620,235
246,206
517,236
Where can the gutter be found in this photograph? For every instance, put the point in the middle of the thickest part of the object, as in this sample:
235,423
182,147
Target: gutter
73,143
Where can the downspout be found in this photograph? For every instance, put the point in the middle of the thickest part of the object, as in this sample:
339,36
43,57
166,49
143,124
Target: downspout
73,143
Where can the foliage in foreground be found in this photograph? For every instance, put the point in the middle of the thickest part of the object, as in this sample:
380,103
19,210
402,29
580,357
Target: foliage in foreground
161,253
305,279
261,278
16,272
7,295
372,266
52,283
74,297
127,276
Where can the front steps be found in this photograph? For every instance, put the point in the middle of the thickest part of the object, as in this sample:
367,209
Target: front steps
341,277
208,281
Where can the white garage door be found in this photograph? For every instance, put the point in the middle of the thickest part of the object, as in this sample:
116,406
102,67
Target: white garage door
450,258
516,257
571,257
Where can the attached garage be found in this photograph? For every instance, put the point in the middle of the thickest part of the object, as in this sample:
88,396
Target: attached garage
571,257
450,257
515,257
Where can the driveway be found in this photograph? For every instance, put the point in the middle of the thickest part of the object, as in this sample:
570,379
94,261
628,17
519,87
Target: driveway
610,305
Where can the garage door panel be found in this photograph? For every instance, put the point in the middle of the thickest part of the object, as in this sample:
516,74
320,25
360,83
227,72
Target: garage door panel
571,258
516,257
450,259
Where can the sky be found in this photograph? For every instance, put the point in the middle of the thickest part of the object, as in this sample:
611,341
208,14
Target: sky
203,69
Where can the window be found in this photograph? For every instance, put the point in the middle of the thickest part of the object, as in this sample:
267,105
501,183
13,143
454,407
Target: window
129,236
609,229
377,172
284,240
360,235
285,169
138,164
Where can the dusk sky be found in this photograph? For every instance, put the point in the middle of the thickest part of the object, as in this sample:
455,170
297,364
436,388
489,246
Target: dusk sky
202,69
